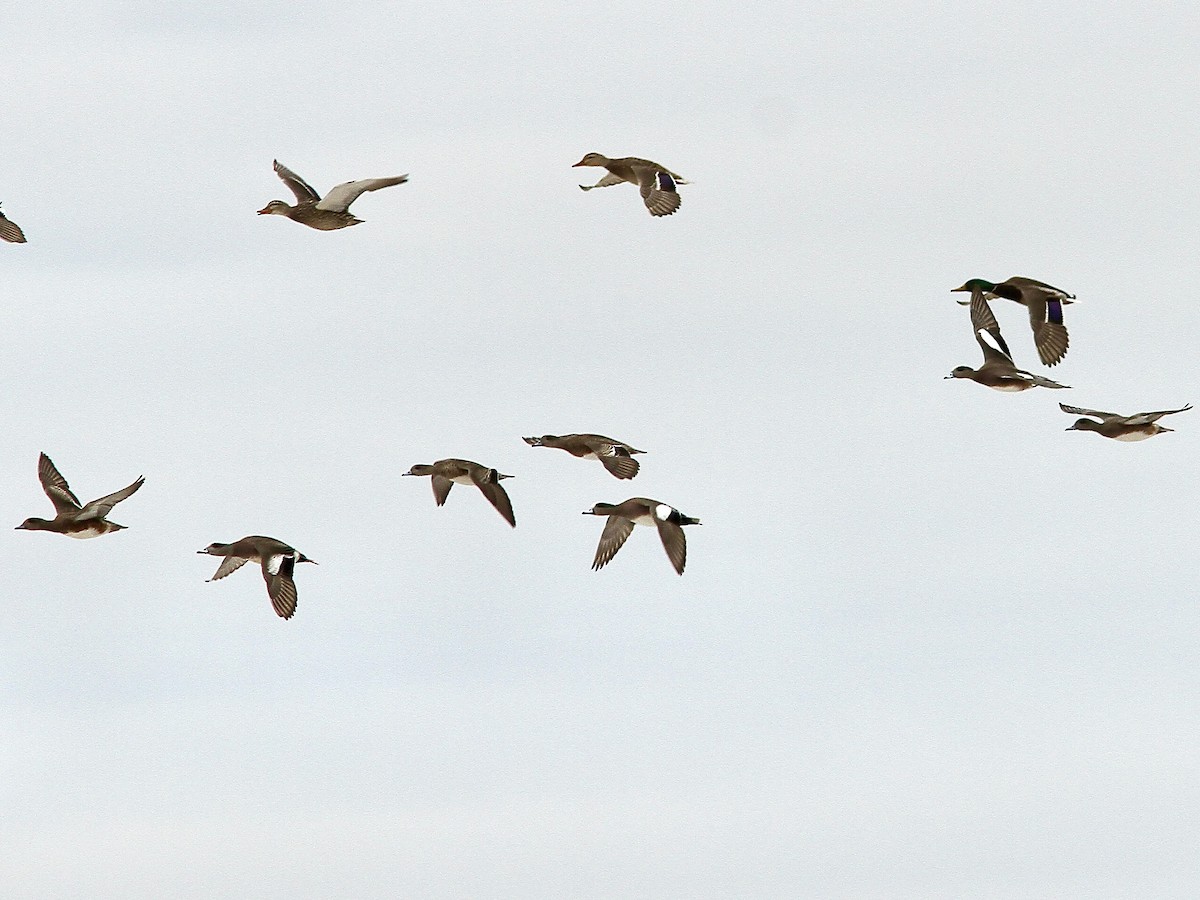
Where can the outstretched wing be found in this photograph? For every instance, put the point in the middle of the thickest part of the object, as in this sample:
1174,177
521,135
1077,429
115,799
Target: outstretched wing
1049,333
277,573
1080,411
339,198
298,186
10,231
229,565
56,487
614,457
498,497
658,191
616,532
983,319
607,181
441,488
673,542
1147,417
101,507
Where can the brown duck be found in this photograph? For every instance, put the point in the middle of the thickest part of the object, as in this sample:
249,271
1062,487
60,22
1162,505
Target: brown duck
1137,427
448,472
278,562
657,183
641,511
72,518
330,213
616,456
998,370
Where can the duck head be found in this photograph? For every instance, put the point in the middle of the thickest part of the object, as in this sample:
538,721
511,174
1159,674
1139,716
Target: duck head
975,284
275,208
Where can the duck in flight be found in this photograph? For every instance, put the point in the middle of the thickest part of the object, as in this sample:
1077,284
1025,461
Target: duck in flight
446,473
72,518
1045,304
1137,427
616,456
278,562
641,511
657,183
324,214
998,370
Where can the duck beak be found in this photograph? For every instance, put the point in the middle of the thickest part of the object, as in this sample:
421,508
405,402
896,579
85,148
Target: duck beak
577,165
264,210
958,289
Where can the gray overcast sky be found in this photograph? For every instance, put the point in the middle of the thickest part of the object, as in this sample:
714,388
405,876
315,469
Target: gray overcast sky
928,643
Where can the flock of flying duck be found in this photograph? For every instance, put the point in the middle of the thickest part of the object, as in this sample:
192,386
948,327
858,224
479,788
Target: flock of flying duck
658,187
277,559
1045,305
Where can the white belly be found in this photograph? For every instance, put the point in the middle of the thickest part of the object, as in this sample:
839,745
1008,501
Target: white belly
1133,436
462,479
1010,388
84,535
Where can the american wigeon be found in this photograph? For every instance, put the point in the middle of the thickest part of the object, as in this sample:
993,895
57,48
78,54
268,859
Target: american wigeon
278,562
998,371
72,518
448,472
615,455
641,511
1137,427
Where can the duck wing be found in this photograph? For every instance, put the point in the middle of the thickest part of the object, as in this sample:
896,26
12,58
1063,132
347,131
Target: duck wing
607,181
1147,417
277,573
339,198
983,319
10,231
614,456
1080,411
620,466
298,186
441,488
101,507
229,565
498,497
616,533
674,542
56,487
658,191
1049,334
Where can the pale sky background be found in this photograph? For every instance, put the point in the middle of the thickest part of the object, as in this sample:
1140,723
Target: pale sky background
928,645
